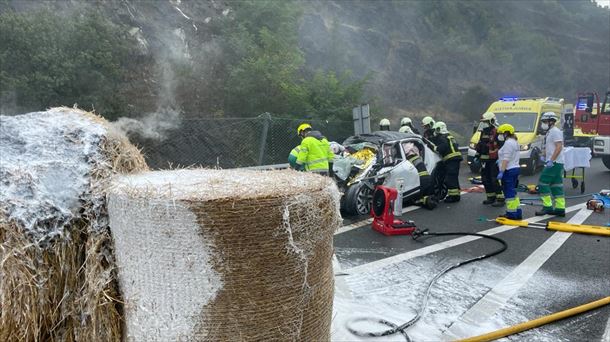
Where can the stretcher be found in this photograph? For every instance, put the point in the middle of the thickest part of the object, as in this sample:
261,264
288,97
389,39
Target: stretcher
576,158
558,226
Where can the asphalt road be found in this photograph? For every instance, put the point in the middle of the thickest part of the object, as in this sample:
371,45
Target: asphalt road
540,273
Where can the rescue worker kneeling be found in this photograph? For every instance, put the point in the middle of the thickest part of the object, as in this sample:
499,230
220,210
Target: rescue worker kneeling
508,160
446,146
314,153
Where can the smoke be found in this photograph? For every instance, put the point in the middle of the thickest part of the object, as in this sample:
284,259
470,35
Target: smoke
154,126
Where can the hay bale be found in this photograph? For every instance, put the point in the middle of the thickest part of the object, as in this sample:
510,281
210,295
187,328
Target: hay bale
57,272
225,255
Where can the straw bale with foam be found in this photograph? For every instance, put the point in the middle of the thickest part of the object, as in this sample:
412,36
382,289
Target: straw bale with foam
225,255
57,272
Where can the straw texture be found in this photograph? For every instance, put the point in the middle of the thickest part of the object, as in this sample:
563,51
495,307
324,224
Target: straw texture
57,271
225,255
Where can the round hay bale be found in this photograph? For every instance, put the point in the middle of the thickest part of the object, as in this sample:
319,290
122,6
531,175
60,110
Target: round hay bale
225,255
57,276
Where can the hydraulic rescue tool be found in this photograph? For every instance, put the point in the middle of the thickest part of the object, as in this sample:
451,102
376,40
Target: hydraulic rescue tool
558,226
384,204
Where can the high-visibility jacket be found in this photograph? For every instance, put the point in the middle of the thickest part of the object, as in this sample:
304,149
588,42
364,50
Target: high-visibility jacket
447,147
292,157
315,153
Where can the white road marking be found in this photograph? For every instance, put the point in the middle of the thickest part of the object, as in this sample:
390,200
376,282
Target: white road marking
497,297
606,335
375,265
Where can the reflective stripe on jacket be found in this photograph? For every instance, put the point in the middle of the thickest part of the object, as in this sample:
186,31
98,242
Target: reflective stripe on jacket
315,154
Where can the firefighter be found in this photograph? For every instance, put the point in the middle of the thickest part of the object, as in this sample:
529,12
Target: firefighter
384,125
426,186
508,173
292,157
314,153
551,180
428,123
487,152
406,125
452,158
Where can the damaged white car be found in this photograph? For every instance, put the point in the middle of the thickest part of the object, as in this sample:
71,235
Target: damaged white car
398,160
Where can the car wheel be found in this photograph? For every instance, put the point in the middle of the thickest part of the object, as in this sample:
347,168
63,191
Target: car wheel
358,199
606,161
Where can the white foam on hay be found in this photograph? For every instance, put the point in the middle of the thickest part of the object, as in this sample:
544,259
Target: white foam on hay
203,185
45,165
164,267
165,262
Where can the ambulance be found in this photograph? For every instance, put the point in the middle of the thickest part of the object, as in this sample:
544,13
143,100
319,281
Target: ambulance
524,114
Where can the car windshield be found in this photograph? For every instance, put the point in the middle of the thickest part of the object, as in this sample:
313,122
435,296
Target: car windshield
522,122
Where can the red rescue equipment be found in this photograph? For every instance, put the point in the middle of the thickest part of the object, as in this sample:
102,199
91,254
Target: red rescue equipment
382,212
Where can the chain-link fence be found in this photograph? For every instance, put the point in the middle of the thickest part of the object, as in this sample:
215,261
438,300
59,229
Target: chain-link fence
242,142
233,142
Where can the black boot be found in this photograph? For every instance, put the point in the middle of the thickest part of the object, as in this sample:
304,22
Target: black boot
499,203
489,200
452,199
543,212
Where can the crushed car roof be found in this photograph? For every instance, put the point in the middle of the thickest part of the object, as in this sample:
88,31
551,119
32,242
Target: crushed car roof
378,137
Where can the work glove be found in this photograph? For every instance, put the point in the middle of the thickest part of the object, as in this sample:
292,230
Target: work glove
549,163
500,175
542,159
498,162
476,159
299,167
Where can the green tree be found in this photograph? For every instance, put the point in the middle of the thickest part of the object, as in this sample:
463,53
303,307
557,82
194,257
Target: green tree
47,61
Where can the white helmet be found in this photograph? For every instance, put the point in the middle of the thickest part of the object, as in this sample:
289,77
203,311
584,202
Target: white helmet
488,116
440,127
405,129
427,121
547,116
405,121
384,124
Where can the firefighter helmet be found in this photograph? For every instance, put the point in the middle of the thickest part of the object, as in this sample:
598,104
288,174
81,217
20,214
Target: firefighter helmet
405,121
488,116
303,127
427,121
548,116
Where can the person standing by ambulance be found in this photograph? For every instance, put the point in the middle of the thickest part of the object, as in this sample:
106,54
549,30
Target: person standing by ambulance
551,180
509,168
487,152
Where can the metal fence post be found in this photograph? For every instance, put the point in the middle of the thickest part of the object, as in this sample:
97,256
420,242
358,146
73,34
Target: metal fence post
266,120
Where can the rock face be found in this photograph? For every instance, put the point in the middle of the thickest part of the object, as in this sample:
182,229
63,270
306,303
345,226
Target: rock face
425,53
418,54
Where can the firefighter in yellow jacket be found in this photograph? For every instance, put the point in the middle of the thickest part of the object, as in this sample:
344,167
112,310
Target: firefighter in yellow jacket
314,154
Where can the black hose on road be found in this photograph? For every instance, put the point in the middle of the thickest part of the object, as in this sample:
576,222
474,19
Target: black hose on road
395,328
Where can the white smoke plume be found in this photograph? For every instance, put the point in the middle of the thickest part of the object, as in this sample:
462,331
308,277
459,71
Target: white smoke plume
152,125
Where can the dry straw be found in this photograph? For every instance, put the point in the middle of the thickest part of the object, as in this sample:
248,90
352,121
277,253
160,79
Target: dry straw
61,285
225,255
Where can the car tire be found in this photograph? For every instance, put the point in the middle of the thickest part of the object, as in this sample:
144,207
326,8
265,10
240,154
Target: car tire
357,199
606,161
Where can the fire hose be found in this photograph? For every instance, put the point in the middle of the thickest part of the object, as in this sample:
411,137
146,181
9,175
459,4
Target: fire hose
395,328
